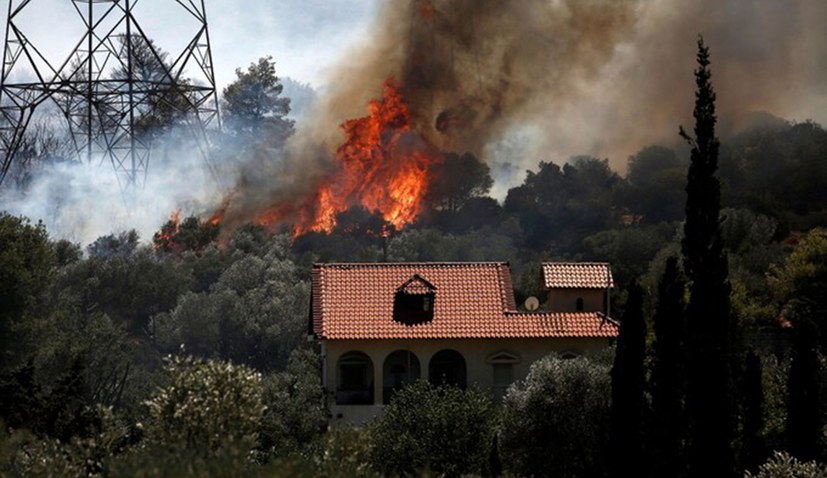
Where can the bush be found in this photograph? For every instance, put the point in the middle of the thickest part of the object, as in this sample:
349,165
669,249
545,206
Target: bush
294,418
556,422
442,428
210,405
782,465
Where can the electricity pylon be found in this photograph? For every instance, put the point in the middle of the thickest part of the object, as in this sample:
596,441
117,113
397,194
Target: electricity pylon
116,88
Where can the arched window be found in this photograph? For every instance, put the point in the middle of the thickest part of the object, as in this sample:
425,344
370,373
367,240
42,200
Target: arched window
579,304
354,379
447,367
400,369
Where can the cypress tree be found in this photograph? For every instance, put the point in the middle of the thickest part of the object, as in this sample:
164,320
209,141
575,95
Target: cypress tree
753,453
709,402
628,382
804,420
667,386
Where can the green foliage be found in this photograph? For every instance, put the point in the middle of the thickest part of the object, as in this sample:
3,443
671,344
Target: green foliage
805,417
556,423
628,383
800,283
656,179
346,453
456,180
129,288
753,451
26,265
294,417
253,109
561,205
208,406
710,324
123,244
89,454
192,234
628,249
440,428
782,465
254,314
667,426
432,245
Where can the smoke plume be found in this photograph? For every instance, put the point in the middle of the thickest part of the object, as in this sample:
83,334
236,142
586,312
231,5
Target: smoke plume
520,82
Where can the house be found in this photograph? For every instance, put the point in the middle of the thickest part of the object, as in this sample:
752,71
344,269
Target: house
383,325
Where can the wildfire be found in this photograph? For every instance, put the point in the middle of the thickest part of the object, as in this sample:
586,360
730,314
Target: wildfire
163,238
382,165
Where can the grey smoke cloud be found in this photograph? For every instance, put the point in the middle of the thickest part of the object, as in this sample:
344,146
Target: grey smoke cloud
514,82
555,78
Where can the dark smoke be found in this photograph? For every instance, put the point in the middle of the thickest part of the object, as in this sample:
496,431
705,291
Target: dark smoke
516,82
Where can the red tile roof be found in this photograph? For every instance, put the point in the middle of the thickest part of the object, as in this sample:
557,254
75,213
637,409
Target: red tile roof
472,300
577,275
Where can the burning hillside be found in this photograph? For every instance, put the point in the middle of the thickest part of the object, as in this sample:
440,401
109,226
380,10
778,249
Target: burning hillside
512,83
383,165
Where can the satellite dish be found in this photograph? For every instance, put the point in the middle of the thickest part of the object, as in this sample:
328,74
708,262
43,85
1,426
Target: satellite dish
532,303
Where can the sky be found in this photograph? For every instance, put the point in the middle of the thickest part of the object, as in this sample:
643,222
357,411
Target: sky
305,37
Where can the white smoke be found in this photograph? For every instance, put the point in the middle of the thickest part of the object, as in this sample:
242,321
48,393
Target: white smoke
81,202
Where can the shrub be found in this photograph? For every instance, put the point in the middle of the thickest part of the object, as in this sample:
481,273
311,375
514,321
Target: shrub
782,465
556,422
209,405
442,428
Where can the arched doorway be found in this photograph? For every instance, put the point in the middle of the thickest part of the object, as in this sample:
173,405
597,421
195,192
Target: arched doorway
400,368
447,367
354,379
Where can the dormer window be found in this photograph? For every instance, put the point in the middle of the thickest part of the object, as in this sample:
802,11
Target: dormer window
413,302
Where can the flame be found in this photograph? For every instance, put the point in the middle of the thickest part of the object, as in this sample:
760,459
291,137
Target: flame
163,238
383,165
426,9
217,216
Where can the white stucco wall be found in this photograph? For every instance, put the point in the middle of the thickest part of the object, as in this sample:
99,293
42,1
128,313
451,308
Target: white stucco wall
475,352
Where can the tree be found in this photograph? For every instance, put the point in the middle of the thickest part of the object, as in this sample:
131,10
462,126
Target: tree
254,314
710,324
294,415
253,110
161,105
458,179
541,435
804,418
753,453
801,283
443,428
656,177
667,382
628,383
26,266
129,287
562,205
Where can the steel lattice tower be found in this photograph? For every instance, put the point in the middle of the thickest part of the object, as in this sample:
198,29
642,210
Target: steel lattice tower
114,87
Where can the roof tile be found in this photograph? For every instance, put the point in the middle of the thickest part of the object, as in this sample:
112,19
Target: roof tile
472,300
577,275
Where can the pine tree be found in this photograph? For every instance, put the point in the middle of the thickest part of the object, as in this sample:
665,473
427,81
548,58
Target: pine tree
667,387
628,382
754,452
710,326
804,420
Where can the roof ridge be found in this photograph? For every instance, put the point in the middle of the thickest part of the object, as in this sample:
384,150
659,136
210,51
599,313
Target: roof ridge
577,262
410,264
